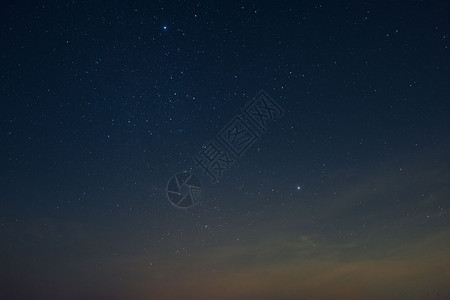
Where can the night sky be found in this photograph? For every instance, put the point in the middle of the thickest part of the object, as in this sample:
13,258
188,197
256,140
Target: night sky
343,194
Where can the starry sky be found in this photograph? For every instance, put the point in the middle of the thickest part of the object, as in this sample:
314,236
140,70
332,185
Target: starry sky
344,196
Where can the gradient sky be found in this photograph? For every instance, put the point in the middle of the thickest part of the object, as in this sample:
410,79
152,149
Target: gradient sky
346,196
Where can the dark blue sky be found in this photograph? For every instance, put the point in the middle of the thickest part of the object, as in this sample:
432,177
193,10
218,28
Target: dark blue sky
101,103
